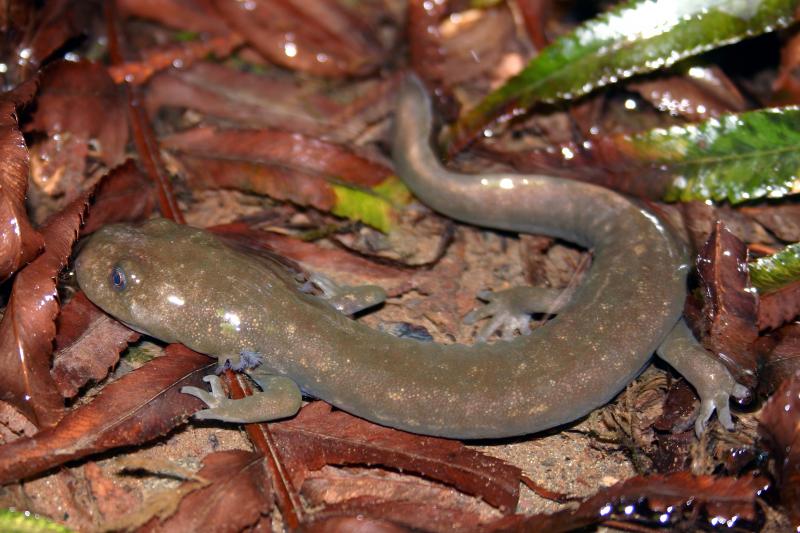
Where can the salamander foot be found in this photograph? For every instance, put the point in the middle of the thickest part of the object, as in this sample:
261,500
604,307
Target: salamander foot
510,310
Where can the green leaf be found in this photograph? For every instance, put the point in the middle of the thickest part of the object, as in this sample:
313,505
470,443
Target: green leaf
375,206
775,271
19,522
637,36
736,157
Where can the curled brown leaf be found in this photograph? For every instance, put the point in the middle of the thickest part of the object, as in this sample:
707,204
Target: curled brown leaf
237,495
729,321
189,15
779,425
19,242
78,104
317,437
125,195
135,409
28,326
679,500
314,36
88,343
286,166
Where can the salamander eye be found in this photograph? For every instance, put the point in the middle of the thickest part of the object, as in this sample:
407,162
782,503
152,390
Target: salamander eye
118,280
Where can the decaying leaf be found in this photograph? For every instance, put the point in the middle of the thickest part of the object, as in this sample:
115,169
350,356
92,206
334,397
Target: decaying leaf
236,495
28,325
124,195
87,345
78,104
290,166
19,242
781,357
253,100
779,307
13,424
326,38
676,500
729,323
196,16
698,94
317,436
135,409
404,500
779,425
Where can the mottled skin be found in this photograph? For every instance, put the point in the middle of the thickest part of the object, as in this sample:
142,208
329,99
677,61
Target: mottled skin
184,285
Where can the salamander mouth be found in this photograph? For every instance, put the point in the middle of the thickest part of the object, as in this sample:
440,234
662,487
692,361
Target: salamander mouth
136,328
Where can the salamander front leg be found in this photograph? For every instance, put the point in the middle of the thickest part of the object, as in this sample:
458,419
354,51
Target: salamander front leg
709,377
280,398
347,299
510,310
244,360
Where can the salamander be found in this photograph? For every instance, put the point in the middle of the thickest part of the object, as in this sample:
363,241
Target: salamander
182,284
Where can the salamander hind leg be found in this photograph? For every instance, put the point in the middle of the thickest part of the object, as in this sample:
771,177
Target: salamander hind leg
709,377
347,299
280,398
510,310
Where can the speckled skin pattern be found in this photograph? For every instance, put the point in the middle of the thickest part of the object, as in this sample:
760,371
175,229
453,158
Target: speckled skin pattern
186,286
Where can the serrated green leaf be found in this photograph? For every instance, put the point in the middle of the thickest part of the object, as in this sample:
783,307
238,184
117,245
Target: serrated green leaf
637,36
775,271
375,207
736,157
19,522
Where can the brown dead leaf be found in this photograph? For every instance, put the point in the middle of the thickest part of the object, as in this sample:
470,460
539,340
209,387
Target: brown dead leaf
286,166
46,28
66,495
78,104
706,93
87,345
165,58
314,36
339,113
315,257
782,220
786,86
729,310
779,426
237,496
425,39
137,408
28,326
111,499
13,424
250,100
487,34
352,524
19,242
781,356
680,406
535,14
779,307
700,219
317,437
125,195
404,500
189,15
679,500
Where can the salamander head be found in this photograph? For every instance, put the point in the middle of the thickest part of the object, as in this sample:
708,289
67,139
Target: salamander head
138,274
